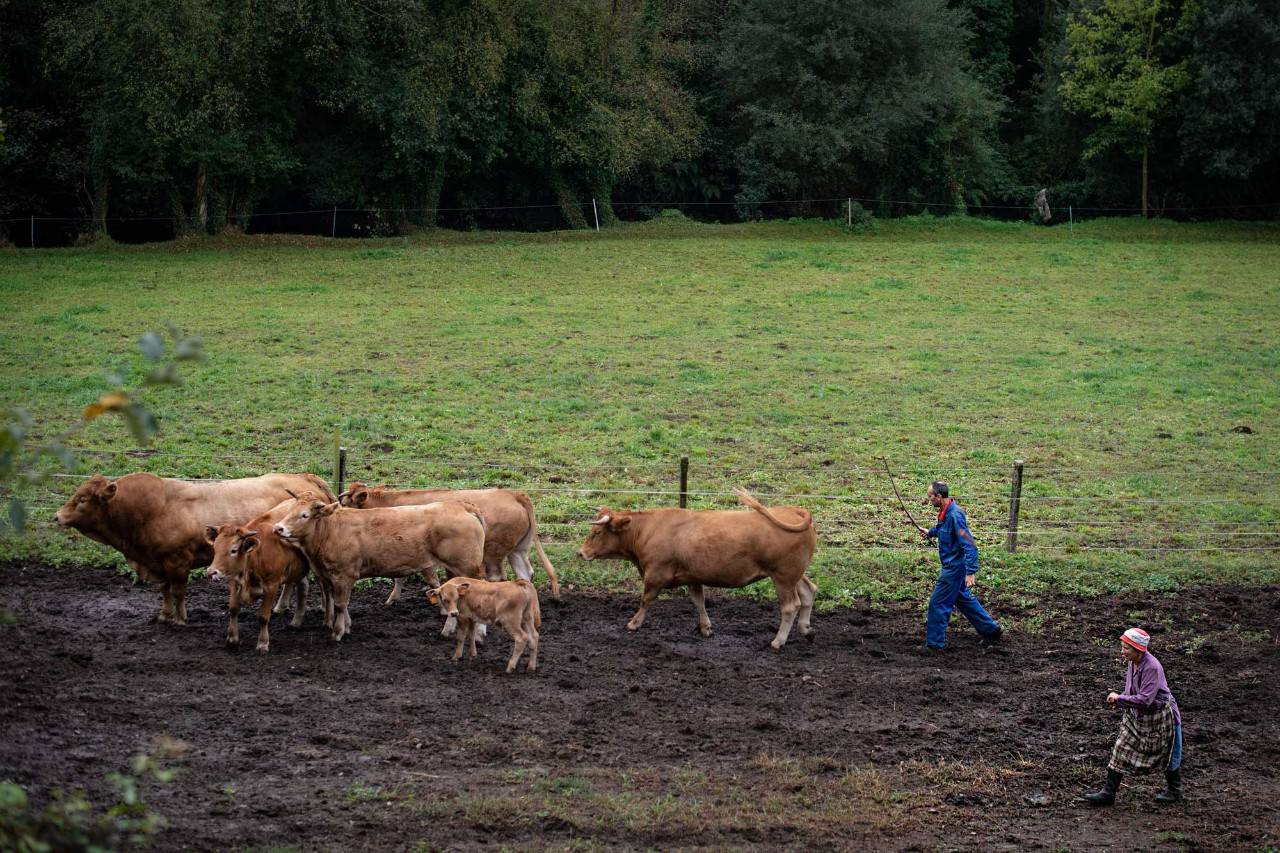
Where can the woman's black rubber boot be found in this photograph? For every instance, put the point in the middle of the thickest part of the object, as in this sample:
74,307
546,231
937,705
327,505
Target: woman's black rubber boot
1107,795
1172,794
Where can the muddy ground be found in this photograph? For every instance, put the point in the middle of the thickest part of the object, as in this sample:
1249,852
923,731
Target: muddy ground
656,739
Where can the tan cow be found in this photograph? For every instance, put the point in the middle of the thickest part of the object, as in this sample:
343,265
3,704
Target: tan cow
159,524
345,545
512,604
511,525
256,562
697,548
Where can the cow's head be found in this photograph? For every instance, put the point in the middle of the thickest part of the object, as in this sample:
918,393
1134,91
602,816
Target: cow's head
231,547
605,539
446,596
359,495
308,509
88,506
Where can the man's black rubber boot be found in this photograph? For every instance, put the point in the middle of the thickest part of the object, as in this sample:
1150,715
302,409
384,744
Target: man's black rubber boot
1173,794
1107,795
991,639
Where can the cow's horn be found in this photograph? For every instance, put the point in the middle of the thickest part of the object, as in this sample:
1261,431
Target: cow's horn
249,533
604,519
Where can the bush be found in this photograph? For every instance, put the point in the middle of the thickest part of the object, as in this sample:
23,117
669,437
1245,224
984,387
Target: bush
69,821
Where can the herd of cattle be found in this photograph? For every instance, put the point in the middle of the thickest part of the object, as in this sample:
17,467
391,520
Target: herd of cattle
266,535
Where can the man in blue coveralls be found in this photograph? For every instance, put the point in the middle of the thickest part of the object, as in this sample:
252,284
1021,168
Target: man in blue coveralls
959,555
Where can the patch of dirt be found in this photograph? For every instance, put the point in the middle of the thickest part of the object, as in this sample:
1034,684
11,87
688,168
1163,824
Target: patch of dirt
624,739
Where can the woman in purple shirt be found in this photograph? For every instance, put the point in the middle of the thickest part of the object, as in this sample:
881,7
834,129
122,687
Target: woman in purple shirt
1151,728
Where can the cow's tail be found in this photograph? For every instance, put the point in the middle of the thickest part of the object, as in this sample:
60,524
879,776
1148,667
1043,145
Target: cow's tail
745,497
533,601
531,537
321,486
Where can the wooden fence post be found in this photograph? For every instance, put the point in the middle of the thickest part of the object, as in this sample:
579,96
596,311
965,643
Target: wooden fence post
340,470
684,482
596,213
333,229
1015,500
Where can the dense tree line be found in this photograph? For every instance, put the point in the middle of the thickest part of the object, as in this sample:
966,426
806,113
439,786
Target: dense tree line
205,113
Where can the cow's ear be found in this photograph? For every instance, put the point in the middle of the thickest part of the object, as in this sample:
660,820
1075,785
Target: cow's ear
433,596
619,522
462,589
328,509
248,543
211,533
109,491
359,498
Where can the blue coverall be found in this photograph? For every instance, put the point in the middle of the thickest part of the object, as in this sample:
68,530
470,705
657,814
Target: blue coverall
959,555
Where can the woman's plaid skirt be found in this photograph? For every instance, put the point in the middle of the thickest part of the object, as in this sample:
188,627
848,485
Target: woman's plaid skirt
1145,741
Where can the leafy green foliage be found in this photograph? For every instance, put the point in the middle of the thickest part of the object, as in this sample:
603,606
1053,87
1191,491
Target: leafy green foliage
828,101
23,466
1233,106
71,822
1126,65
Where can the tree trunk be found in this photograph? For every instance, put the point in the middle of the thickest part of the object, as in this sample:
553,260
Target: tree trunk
431,197
181,225
604,204
1144,181
201,207
101,183
569,207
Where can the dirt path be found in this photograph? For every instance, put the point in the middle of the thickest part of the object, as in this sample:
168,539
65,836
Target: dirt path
658,738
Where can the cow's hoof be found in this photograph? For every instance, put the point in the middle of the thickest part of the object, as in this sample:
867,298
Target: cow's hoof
233,645
808,635
631,626
706,632
262,648
775,645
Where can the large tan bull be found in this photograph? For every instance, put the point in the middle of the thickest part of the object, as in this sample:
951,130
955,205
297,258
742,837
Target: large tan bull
159,524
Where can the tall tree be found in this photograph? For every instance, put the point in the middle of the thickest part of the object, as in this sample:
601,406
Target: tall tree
177,96
829,96
1231,126
594,97
1126,66
407,96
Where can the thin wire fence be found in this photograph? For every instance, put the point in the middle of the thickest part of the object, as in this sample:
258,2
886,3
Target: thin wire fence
360,221
861,514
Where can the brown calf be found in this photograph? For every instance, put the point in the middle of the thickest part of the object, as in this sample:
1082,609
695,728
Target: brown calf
512,604
255,561
697,548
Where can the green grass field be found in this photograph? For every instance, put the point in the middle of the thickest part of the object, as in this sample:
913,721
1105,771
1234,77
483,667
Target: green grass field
1132,364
